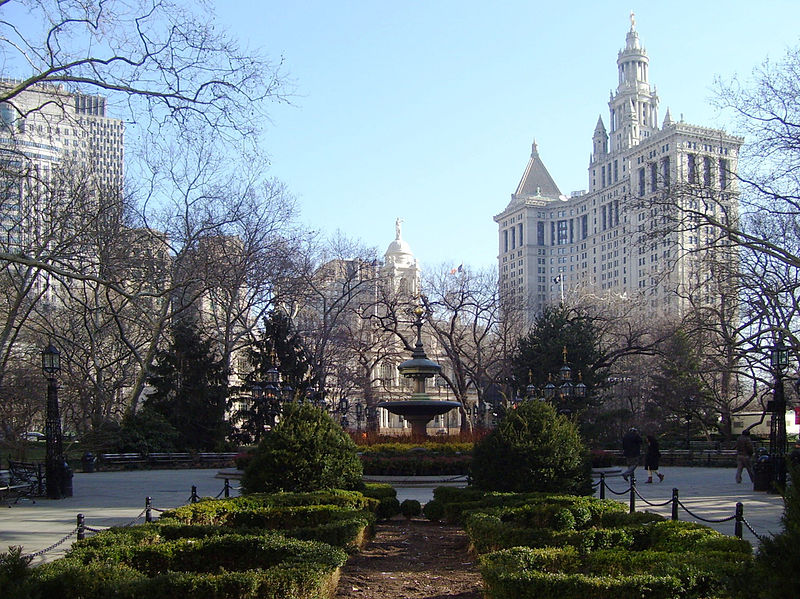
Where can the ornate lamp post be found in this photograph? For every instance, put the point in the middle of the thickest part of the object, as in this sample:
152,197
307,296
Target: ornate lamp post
273,393
56,472
566,389
779,360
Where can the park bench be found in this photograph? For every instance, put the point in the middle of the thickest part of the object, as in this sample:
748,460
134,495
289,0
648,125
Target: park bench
126,460
169,458
223,458
26,479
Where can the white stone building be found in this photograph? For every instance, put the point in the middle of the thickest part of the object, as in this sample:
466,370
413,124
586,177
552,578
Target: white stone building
603,241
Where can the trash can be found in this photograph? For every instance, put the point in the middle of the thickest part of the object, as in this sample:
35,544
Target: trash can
88,461
762,474
66,483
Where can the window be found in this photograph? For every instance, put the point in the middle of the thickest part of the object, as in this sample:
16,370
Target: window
653,176
540,233
691,163
641,182
723,173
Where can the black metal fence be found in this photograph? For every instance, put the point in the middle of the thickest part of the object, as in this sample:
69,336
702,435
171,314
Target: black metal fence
737,517
81,529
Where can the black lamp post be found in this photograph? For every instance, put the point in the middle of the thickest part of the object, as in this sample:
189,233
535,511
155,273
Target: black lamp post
779,360
566,389
57,475
270,394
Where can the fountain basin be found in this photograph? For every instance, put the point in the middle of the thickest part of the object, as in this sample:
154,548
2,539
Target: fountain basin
419,412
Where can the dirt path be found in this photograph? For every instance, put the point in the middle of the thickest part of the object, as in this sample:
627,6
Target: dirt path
414,559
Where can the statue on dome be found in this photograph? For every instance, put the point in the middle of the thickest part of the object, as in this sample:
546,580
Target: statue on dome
397,223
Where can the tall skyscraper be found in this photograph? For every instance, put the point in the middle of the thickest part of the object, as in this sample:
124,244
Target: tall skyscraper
615,239
53,142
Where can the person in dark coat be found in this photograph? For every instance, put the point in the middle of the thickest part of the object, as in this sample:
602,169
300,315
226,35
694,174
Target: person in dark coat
651,458
631,450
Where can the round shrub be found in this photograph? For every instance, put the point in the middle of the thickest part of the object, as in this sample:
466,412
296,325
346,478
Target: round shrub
388,508
305,451
433,510
532,449
410,508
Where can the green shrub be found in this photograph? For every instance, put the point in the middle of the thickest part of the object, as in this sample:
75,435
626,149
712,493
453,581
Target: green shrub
450,448
388,508
532,449
69,578
305,451
779,554
378,490
231,552
14,570
716,575
415,465
410,508
433,510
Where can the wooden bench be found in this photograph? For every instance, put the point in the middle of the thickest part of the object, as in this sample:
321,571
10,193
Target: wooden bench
126,460
224,457
169,458
26,478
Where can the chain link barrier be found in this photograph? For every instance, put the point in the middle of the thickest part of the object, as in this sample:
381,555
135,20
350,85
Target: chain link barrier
639,495
81,529
709,520
633,492
53,546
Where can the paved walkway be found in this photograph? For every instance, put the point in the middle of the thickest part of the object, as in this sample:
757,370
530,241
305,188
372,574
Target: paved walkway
105,499
117,498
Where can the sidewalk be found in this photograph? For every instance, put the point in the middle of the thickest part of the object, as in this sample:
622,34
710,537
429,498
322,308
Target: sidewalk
105,499
117,498
711,493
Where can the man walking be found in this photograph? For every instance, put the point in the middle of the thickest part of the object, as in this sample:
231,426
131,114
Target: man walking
631,450
744,453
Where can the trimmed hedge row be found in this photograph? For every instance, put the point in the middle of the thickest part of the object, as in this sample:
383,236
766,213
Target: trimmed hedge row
218,549
565,572
415,465
568,547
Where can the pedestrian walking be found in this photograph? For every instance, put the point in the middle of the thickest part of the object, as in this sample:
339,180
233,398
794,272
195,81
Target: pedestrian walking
631,450
651,459
744,454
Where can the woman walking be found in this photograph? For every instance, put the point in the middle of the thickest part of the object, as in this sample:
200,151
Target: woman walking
651,459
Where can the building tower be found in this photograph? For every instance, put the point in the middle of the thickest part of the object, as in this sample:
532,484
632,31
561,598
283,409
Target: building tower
603,243
400,268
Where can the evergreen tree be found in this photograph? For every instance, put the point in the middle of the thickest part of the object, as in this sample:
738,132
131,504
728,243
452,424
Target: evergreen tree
532,449
541,353
280,347
190,389
680,400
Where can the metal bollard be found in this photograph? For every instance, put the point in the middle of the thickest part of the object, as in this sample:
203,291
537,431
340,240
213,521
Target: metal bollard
739,519
81,528
632,508
602,485
674,503
148,509
227,488
194,498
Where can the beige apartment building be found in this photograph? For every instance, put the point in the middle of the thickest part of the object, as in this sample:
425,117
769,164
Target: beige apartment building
630,236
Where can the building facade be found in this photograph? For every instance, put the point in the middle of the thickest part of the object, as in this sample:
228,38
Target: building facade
626,237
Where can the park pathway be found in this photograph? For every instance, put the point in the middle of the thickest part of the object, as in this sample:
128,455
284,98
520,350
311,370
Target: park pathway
413,559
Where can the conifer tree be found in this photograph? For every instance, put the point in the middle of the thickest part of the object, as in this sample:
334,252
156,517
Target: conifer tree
190,389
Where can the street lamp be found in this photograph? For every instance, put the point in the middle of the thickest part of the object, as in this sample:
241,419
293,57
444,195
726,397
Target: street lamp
58,478
565,389
779,360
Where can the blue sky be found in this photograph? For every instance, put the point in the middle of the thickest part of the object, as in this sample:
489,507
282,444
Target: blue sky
426,110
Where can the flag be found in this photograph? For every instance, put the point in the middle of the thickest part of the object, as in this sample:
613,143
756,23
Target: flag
557,279
459,269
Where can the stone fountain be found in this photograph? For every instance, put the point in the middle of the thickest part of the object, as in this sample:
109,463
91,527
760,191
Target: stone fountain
420,409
